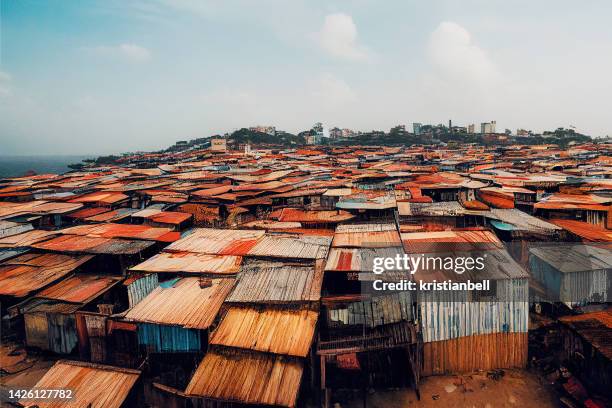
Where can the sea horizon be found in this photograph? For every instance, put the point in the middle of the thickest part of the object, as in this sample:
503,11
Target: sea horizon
14,165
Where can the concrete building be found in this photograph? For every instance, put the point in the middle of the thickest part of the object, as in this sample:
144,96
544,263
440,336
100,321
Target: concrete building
335,133
218,145
416,128
270,130
487,127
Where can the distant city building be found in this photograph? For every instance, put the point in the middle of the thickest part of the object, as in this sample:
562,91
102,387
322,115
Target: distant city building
218,145
313,139
270,130
335,133
416,128
458,129
399,129
347,133
523,132
471,128
487,127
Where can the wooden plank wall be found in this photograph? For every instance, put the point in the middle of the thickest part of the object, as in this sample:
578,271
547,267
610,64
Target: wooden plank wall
471,353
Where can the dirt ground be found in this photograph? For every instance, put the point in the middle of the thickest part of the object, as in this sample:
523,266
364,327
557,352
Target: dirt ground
517,388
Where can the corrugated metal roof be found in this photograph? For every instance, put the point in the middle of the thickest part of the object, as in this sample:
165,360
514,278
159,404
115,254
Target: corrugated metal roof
185,303
26,239
189,262
247,378
268,282
217,241
11,253
438,209
103,197
88,212
270,330
365,227
499,265
112,216
271,225
585,230
129,231
575,258
38,207
25,274
291,246
436,241
79,288
170,217
296,215
93,385
358,259
560,201
378,239
8,228
92,245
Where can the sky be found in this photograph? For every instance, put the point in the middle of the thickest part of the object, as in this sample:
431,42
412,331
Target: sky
101,77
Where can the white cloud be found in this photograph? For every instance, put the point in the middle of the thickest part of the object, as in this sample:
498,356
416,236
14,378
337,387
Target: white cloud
338,37
130,52
454,55
5,80
331,93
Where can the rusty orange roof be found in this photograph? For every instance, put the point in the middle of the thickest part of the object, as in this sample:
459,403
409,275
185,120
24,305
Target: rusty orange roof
569,202
188,262
496,199
182,302
296,215
93,385
585,230
93,245
88,212
269,330
101,197
23,275
79,288
170,217
474,205
143,232
248,378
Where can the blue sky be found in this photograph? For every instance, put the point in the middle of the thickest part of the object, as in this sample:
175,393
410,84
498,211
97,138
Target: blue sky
88,77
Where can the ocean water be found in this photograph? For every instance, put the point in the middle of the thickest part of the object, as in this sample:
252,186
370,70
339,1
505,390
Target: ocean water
14,166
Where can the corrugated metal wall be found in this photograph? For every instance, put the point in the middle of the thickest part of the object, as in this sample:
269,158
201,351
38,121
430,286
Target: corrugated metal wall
449,315
373,312
140,288
574,287
51,331
168,339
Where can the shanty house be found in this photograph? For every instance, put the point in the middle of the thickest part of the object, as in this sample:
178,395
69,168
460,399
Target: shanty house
573,273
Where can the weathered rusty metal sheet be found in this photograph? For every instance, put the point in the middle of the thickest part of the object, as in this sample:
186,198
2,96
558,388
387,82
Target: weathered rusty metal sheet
273,282
270,330
189,262
93,245
25,274
93,385
249,378
472,353
79,288
182,302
